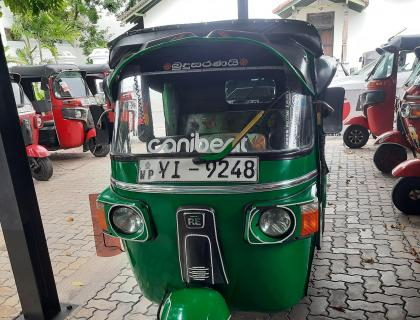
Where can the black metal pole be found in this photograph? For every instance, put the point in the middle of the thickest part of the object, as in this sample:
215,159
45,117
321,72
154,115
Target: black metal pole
19,214
242,9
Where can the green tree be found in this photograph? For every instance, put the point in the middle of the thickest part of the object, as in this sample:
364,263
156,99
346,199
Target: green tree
72,21
46,28
33,6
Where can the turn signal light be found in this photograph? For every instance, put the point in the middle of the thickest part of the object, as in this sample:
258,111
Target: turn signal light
38,122
310,219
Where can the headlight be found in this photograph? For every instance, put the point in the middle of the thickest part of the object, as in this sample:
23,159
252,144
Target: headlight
405,110
75,113
276,222
126,220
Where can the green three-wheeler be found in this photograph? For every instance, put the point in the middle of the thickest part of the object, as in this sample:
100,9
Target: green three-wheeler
218,172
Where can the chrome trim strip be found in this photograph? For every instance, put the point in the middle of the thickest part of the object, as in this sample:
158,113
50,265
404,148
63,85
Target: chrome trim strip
231,189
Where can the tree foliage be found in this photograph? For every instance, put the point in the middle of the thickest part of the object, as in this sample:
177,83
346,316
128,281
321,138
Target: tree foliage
33,6
56,21
46,28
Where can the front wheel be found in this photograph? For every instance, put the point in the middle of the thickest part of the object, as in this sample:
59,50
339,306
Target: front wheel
388,155
406,195
355,136
41,168
100,150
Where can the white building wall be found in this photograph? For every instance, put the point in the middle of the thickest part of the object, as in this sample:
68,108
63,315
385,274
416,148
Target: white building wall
189,11
370,28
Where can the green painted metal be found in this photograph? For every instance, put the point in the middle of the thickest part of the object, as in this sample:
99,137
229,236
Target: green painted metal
112,79
265,277
276,276
194,304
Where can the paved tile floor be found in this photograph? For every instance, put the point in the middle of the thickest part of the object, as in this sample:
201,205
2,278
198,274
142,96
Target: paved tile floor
367,268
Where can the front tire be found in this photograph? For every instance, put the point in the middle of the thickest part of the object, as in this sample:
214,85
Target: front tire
355,136
41,168
388,155
406,195
100,150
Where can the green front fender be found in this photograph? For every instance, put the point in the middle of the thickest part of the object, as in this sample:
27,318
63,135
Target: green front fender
195,304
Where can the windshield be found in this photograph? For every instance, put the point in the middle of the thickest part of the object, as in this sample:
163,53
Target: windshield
414,78
366,69
203,112
70,84
22,102
384,66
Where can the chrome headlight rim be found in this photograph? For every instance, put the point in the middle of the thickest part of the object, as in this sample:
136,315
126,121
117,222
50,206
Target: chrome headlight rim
119,231
291,228
405,110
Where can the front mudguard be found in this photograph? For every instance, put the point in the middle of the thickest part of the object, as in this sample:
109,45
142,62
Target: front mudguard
90,134
194,304
409,168
358,120
393,136
36,151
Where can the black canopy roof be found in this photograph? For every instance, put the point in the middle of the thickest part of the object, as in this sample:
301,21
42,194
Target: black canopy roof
42,71
398,43
273,31
92,69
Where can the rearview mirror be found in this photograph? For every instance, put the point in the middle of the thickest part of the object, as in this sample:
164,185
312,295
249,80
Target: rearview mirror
100,98
333,119
325,68
255,90
417,52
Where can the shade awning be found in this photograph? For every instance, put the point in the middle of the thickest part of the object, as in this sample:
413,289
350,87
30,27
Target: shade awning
135,13
286,8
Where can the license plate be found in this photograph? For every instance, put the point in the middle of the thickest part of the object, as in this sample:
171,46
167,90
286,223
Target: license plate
183,169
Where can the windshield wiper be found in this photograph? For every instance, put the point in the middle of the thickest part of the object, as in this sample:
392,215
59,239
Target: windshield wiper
228,149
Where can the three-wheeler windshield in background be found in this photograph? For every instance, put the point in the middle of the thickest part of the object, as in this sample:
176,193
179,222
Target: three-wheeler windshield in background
384,66
201,112
70,84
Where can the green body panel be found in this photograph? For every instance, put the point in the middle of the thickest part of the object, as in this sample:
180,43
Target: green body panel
195,304
268,277
269,171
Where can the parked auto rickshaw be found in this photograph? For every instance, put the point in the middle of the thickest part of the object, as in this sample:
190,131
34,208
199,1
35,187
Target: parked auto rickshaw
378,101
393,145
220,204
95,75
41,166
59,93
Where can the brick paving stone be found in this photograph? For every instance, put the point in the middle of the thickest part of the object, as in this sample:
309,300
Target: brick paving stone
372,284
121,310
100,315
395,312
319,306
376,316
365,270
347,314
412,306
101,304
298,312
366,306
338,299
346,278
355,291
379,297
124,296
389,278
404,292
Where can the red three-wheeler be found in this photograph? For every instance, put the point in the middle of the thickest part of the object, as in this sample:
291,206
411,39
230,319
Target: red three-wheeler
378,101
41,166
60,94
391,154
